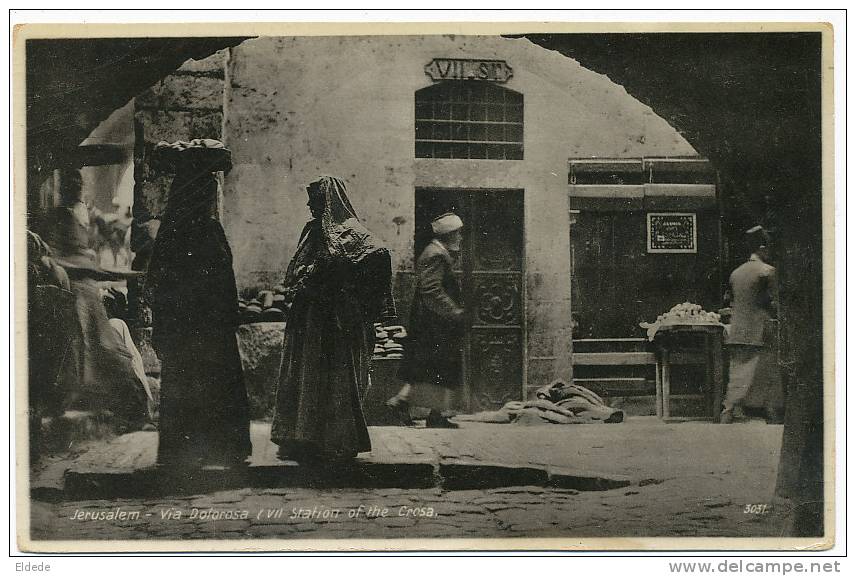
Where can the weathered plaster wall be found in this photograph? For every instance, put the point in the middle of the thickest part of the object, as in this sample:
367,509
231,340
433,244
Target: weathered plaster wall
300,107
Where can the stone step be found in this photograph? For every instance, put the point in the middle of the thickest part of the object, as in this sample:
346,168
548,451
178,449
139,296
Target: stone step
453,475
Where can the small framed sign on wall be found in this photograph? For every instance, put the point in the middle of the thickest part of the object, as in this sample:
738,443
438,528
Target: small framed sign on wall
672,233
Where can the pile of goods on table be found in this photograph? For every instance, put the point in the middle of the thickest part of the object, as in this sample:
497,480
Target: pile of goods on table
686,313
389,341
265,306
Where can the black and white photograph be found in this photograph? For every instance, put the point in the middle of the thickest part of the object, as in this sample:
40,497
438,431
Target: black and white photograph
295,287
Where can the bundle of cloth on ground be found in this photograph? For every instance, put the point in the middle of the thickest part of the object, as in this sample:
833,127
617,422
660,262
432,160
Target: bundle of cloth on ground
557,403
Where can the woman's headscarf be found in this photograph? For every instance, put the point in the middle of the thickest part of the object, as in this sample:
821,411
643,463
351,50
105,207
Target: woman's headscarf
343,238
194,187
344,235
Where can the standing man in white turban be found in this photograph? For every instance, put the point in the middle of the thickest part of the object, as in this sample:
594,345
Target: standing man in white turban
433,360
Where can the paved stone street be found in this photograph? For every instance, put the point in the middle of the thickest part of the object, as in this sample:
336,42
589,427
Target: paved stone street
685,479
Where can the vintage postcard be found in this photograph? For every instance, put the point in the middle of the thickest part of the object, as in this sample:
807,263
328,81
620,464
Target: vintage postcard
514,286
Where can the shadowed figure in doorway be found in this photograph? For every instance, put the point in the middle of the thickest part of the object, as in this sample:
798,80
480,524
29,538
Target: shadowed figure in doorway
338,283
204,411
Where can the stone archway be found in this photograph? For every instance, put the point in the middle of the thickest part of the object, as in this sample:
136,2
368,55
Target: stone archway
74,84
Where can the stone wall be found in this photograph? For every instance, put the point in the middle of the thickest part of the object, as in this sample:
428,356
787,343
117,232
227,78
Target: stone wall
304,106
260,346
300,107
185,105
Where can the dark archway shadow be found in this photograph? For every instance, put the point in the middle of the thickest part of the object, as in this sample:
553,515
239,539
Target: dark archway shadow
751,103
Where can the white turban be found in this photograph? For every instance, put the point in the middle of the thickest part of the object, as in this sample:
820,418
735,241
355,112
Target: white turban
446,223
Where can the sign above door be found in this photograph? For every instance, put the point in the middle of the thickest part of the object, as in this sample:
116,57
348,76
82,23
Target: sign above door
463,69
672,233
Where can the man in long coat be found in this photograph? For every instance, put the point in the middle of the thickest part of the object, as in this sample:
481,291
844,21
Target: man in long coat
752,296
433,356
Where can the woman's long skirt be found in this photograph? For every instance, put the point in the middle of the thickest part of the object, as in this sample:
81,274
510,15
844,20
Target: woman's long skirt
204,412
325,370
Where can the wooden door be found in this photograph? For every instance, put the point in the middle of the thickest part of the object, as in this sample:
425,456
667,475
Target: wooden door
490,268
616,283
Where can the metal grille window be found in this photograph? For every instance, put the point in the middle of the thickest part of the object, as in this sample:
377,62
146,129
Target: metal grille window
469,120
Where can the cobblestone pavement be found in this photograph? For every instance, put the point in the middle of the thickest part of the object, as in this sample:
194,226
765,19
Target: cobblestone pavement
698,507
688,479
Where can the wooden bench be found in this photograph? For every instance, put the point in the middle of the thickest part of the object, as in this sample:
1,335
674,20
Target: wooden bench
627,353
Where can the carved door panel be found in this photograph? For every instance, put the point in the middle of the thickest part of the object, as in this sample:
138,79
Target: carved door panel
491,274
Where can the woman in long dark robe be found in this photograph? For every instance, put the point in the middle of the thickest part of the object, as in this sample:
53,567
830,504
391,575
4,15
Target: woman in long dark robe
204,412
339,280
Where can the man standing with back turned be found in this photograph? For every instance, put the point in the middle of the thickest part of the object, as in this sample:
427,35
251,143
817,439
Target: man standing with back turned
433,361
752,296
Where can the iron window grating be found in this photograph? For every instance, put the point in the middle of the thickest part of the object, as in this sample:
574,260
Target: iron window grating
469,120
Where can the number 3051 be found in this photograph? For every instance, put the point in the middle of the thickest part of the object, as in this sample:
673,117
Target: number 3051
756,509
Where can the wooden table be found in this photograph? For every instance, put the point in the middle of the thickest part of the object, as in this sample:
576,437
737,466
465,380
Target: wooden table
670,341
